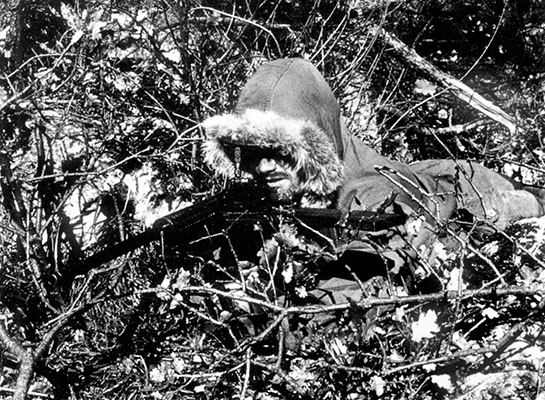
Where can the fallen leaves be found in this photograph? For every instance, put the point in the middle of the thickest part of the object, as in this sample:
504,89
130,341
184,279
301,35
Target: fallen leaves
425,327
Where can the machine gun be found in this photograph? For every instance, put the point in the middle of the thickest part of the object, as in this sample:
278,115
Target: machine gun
241,202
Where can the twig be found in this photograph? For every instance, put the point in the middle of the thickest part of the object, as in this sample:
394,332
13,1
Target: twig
166,113
86,174
521,164
368,302
230,20
247,21
334,35
37,279
33,394
437,360
17,96
363,370
357,279
271,271
251,341
28,61
237,261
519,246
328,240
284,326
457,129
201,375
247,373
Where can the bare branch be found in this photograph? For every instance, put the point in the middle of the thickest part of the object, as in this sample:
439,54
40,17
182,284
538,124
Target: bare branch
410,57
10,344
230,20
245,20
26,371
437,360
29,86
460,128
367,302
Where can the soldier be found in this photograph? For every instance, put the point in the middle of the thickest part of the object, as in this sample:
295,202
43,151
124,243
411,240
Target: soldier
287,133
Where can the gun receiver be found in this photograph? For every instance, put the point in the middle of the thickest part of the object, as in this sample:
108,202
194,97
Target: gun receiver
235,205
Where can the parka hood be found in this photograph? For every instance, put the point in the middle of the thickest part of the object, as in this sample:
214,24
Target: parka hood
287,107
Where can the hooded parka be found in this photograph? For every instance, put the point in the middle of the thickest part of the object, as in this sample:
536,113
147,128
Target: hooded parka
288,107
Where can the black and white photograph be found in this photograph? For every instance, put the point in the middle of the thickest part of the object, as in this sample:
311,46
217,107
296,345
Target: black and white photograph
272,199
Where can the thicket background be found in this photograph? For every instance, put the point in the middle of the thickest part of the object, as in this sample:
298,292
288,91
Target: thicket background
99,109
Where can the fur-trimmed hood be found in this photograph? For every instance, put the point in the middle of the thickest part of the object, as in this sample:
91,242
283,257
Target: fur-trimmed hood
287,107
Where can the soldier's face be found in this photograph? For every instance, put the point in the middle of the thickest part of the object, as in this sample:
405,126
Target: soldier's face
276,174
271,168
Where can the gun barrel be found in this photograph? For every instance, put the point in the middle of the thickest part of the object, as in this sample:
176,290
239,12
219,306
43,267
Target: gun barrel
362,220
326,218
